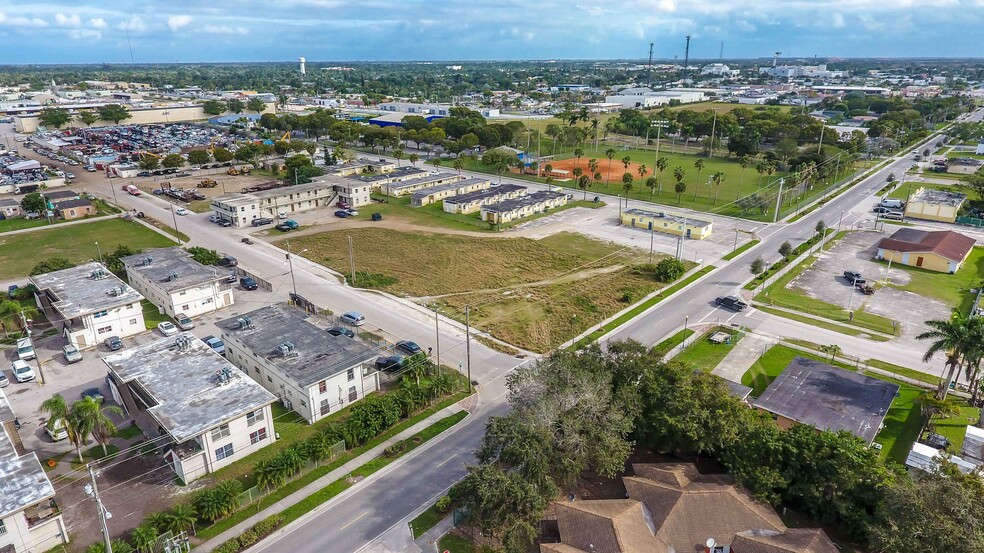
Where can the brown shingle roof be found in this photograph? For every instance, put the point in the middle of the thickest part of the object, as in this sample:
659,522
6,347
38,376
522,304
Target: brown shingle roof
945,243
796,540
606,526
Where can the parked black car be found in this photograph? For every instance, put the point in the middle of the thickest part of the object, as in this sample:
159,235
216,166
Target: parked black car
341,331
114,343
248,283
389,363
228,261
260,221
408,347
854,277
733,303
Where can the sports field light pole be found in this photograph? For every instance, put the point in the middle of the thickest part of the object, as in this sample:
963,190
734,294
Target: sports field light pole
710,149
659,126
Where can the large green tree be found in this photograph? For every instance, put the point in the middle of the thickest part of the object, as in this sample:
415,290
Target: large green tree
87,117
33,201
114,113
222,155
214,107
54,118
235,105
199,157
256,104
173,161
51,264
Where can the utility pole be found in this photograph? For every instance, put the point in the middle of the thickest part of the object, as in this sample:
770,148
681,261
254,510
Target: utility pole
468,347
710,149
175,218
99,252
351,260
778,199
93,492
437,336
37,359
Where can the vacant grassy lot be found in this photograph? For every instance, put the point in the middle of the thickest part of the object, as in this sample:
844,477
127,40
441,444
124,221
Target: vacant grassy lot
950,289
704,354
19,253
540,318
903,192
417,264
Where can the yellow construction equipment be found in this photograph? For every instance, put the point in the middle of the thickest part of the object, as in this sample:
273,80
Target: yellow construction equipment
207,183
286,136
232,171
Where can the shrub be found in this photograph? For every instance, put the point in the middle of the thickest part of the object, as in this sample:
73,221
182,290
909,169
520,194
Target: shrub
267,525
230,546
627,297
248,538
443,504
396,448
669,269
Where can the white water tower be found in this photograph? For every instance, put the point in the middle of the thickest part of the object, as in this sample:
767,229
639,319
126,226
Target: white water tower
303,69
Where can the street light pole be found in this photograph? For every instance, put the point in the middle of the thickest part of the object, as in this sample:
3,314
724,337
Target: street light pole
468,348
93,492
290,265
710,149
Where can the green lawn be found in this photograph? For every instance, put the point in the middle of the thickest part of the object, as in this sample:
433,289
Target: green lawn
904,371
950,289
777,294
128,432
674,341
704,354
152,315
453,543
426,520
821,323
77,243
745,247
902,424
903,192
767,368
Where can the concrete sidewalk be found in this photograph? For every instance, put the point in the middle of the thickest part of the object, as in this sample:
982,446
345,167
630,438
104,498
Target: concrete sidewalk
337,474
60,225
742,356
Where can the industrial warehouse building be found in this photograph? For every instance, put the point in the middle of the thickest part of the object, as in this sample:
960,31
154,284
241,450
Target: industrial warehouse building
669,222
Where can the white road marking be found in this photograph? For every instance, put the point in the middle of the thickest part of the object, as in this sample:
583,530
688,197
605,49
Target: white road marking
446,460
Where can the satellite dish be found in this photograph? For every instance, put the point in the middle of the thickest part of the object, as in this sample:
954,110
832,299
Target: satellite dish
710,543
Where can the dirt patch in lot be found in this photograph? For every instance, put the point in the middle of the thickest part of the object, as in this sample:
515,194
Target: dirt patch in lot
825,281
431,264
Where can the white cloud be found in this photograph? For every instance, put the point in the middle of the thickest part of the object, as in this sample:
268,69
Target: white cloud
84,33
175,22
22,21
97,23
838,21
225,30
68,21
135,24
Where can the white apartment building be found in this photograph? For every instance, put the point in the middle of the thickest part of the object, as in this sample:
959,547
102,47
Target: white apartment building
309,370
89,304
523,206
30,520
176,283
241,209
212,412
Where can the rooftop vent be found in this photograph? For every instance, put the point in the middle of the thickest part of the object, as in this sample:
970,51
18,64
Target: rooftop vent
98,274
245,323
147,261
116,291
172,277
287,349
182,342
223,376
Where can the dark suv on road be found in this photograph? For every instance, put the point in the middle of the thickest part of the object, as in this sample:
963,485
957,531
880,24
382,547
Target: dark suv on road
733,303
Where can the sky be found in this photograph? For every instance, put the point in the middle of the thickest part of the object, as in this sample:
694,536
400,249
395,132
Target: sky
185,31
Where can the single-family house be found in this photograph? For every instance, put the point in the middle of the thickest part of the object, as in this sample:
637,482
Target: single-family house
176,283
10,208
943,251
309,370
670,507
89,304
212,413
74,208
828,398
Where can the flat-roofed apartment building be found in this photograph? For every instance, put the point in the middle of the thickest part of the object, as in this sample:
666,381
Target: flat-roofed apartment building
212,412
88,304
241,209
309,370
409,186
669,222
523,206
473,201
176,283
434,194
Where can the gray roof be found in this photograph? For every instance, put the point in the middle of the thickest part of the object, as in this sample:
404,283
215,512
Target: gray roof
159,264
691,221
828,398
464,183
394,174
523,201
71,202
483,194
76,292
22,480
6,412
188,397
8,202
60,194
432,177
318,355
938,197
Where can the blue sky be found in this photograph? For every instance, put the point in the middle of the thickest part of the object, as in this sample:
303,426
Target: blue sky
74,31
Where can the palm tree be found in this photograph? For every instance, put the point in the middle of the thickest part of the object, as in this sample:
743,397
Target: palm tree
718,179
930,407
626,161
582,183
661,164
413,158
652,182
592,165
951,336
102,427
578,153
210,505
610,154
577,172
437,163
144,537
681,187
548,168
535,167
594,131
459,164
743,161
158,521
80,421
627,184
761,168
699,165
56,409
270,474
643,171
183,517
597,177
399,154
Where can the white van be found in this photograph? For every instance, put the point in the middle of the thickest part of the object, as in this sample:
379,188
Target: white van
893,203
56,430
25,349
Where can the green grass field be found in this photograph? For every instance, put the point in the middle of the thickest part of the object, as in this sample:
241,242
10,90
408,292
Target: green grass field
704,354
674,341
77,243
745,247
950,289
903,192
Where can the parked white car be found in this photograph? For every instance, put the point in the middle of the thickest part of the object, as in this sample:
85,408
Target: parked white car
22,371
167,328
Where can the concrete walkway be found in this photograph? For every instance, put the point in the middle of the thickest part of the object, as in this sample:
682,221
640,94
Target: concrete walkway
427,542
742,356
60,225
317,485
